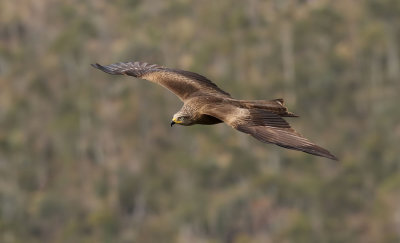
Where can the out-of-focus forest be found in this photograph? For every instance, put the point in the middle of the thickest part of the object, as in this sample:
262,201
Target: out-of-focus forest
90,157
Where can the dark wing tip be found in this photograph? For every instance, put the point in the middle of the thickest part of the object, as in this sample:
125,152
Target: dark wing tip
95,65
319,151
332,157
105,69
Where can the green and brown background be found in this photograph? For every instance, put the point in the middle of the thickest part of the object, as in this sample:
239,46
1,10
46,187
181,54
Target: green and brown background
86,157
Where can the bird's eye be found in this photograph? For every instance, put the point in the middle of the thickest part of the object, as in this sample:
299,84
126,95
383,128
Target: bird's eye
182,118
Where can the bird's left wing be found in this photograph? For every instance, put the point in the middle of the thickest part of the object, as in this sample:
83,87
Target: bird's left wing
265,126
182,83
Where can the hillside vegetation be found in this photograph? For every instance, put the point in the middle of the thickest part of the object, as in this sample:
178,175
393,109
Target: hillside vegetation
90,157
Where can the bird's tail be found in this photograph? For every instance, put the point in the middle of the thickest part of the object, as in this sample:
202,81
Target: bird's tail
276,106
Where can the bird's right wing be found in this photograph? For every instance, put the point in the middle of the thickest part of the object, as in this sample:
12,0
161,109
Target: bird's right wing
266,127
182,83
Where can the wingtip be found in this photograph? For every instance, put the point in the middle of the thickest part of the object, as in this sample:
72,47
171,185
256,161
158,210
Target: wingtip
105,69
333,157
96,65
319,151
329,156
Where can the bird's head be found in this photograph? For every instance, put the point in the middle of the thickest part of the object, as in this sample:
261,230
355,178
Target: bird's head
182,119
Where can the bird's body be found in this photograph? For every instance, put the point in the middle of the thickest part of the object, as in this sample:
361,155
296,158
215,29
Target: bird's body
193,108
205,103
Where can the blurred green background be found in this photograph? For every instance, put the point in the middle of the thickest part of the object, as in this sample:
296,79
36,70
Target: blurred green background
89,157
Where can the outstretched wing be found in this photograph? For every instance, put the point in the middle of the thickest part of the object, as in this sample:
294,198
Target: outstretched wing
266,127
184,84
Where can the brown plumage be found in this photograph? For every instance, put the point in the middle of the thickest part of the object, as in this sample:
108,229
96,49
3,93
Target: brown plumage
205,103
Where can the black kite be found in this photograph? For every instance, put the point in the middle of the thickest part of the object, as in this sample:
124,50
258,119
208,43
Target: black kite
205,103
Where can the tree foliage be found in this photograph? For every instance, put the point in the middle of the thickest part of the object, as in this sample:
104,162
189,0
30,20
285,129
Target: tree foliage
87,157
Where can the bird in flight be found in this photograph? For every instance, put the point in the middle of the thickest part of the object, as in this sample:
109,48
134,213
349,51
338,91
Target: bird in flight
205,103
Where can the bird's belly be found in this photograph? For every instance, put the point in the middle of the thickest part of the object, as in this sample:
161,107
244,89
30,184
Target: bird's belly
208,120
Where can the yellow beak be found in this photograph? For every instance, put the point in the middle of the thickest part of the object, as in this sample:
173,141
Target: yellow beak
175,121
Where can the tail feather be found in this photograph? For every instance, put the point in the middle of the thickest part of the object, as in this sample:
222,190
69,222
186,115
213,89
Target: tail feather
276,106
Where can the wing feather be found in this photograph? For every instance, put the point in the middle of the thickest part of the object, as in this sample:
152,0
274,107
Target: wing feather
182,83
266,127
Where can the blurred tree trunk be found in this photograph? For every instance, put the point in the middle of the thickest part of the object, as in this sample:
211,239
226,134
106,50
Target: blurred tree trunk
376,80
392,53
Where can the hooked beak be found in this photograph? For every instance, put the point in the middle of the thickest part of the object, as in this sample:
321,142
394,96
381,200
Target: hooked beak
172,123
